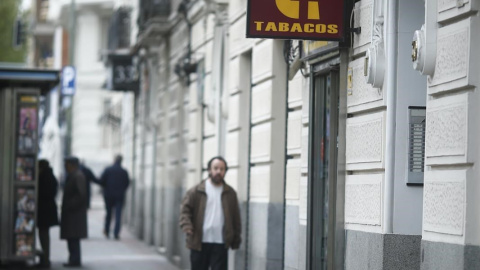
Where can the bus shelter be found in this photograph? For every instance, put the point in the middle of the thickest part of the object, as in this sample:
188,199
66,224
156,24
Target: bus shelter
20,92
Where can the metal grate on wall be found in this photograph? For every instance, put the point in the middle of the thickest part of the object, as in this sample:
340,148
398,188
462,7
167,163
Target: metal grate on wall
416,145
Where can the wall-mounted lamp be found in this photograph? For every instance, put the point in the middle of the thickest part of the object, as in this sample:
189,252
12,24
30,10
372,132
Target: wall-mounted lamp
184,67
374,65
424,47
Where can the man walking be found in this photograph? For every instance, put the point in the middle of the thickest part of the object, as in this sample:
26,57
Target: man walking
210,217
73,224
115,182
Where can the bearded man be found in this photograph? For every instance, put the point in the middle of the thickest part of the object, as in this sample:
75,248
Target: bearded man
210,218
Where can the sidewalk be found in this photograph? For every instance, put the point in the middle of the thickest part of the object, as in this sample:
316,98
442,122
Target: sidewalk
99,253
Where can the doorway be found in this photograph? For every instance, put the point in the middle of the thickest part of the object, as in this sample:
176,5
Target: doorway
323,170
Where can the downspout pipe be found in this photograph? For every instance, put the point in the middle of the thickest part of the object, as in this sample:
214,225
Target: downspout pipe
250,165
391,91
133,178
218,95
287,45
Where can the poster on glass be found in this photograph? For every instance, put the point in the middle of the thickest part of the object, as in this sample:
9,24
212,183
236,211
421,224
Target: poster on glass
25,200
24,245
25,222
25,169
27,130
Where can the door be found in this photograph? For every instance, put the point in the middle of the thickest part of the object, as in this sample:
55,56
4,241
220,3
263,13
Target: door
323,170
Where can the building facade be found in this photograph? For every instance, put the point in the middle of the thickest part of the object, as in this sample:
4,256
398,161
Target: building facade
81,40
343,154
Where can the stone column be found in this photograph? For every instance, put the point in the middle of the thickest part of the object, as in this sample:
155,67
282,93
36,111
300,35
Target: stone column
267,156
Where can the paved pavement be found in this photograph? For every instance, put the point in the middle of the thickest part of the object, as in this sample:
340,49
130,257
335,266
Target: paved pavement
99,253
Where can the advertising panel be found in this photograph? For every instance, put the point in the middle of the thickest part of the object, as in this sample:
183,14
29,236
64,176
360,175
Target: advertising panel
27,130
24,245
25,169
24,180
24,221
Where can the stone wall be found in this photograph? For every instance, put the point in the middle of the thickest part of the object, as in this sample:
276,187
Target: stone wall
451,181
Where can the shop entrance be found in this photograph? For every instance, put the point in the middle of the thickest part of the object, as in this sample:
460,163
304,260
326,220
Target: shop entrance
323,170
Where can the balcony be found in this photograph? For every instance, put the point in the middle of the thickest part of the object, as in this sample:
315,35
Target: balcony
153,12
153,22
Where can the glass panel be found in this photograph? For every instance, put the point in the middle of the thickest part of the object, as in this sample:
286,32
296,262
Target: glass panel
324,107
24,177
320,181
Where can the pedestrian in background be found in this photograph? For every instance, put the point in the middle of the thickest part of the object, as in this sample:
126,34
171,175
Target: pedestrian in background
90,177
115,182
47,209
210,217
73,225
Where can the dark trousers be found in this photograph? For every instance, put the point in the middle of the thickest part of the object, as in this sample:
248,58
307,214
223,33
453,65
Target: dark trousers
44,237
74,251
110,204
212,255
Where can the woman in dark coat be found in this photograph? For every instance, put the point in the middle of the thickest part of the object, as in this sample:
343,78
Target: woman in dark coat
47,208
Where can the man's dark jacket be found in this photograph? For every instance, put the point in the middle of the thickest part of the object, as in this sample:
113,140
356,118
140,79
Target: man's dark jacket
73,223
192,213
47,207
90,177
115,182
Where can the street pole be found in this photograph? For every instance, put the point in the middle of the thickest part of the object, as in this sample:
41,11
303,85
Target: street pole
72,26
71,62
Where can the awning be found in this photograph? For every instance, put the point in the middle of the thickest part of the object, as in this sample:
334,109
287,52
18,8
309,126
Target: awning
44,80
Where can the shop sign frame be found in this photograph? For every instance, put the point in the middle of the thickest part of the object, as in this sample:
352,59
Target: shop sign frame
123,73
297,19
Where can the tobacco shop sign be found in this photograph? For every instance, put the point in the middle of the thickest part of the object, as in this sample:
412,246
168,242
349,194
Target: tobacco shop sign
296,19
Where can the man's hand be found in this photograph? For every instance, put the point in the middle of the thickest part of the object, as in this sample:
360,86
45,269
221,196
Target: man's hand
189,231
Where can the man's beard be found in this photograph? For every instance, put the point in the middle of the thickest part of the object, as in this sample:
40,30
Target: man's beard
217,179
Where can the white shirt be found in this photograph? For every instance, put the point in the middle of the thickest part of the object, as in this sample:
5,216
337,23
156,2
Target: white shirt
213,220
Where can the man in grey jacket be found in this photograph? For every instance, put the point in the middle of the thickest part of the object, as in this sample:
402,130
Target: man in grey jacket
73,225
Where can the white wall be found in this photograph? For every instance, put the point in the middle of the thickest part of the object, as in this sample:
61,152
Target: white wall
411,91
452,148
365,136
88,104
365,132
